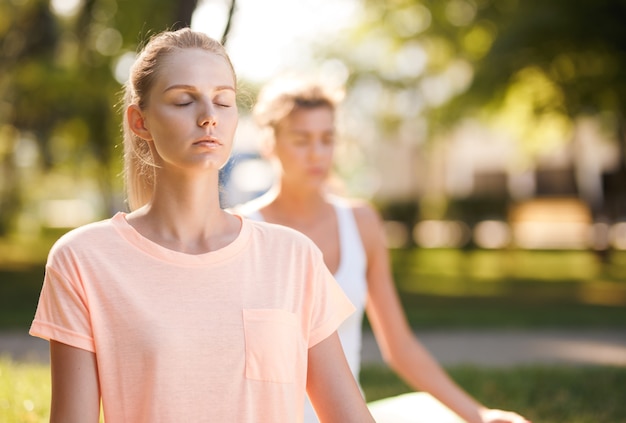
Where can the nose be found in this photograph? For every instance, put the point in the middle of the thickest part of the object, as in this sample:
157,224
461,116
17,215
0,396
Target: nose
317,148
208,120
207,116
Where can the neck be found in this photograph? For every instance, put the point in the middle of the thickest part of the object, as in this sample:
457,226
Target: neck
186,216
194,199
297,208
299,197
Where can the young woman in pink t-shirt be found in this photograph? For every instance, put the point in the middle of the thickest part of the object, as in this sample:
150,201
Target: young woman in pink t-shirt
179,311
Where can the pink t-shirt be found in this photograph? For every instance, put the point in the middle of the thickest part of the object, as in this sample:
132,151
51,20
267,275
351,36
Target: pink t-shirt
216,337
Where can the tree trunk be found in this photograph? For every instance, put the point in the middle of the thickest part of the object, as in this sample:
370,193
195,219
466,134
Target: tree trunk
184,12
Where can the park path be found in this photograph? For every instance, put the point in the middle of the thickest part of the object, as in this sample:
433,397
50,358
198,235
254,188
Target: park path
489,348
505,348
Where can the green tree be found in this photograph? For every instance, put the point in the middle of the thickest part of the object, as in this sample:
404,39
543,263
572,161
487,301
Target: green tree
579,50
439,62
58,92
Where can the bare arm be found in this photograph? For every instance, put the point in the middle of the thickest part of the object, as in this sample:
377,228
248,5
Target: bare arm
399,347
75,389
331,387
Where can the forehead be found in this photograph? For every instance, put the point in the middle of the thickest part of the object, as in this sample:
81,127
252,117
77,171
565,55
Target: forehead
320,118
195,66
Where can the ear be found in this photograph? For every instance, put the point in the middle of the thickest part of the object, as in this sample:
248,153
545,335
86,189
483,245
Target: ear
137,122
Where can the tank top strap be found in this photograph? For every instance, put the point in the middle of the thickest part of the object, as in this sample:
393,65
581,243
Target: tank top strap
353,256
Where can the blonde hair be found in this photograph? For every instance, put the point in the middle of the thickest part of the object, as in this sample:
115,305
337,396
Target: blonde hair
139,167
279,98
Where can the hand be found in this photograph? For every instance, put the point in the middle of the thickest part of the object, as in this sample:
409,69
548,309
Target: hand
500,416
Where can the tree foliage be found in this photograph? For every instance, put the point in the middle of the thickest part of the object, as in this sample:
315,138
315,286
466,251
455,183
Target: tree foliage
579,46
458,58
526,69
58,90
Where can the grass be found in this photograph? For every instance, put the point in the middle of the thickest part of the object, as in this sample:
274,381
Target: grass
436,312
24,392
517,288
575,276
19,292
543,394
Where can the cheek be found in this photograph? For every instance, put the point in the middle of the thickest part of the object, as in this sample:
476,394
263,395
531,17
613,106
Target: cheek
230,118
329,150
290,154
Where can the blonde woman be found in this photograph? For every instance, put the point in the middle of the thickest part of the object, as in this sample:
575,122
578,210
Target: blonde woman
297,122
179,311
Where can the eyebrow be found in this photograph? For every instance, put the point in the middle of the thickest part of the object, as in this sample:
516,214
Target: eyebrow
193,88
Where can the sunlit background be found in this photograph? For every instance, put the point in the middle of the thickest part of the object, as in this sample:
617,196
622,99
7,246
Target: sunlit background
470,123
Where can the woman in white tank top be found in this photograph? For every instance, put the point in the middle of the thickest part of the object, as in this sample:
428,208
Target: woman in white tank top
297,119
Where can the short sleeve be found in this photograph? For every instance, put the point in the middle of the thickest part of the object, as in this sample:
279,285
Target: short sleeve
62,312
331,306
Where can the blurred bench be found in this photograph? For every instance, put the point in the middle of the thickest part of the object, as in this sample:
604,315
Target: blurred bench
551,223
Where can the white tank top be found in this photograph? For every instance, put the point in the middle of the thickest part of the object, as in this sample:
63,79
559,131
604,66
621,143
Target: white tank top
351,276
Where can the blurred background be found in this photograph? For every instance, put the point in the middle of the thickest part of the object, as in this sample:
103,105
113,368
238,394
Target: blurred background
491,135
471,123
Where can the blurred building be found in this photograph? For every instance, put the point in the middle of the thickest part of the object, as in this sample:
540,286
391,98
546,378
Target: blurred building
477,187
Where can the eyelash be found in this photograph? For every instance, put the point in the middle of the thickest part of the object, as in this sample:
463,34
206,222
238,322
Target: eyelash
188,103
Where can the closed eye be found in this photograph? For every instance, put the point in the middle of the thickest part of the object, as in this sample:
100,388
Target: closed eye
224,98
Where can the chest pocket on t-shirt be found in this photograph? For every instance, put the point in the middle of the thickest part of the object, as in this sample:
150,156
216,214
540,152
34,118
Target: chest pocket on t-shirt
273,352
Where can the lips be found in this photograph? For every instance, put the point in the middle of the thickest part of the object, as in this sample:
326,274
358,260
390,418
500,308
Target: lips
317,171
208,141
